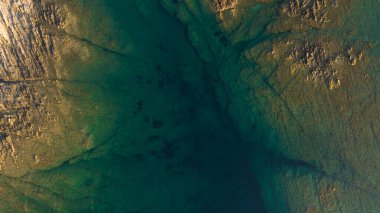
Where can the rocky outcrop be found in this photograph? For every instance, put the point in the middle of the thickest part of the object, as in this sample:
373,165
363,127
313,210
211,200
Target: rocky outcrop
222,5
42,54
312,10
27,95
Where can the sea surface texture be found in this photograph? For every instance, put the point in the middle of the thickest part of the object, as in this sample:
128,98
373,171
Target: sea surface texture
190,106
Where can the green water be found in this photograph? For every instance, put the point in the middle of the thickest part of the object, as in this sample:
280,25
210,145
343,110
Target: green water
161,143
177,118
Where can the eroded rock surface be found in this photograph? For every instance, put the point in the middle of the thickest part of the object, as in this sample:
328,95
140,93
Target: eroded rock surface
39,128
311,11
27,94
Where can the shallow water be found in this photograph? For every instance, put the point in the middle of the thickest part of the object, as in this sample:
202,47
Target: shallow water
202,107
162,143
